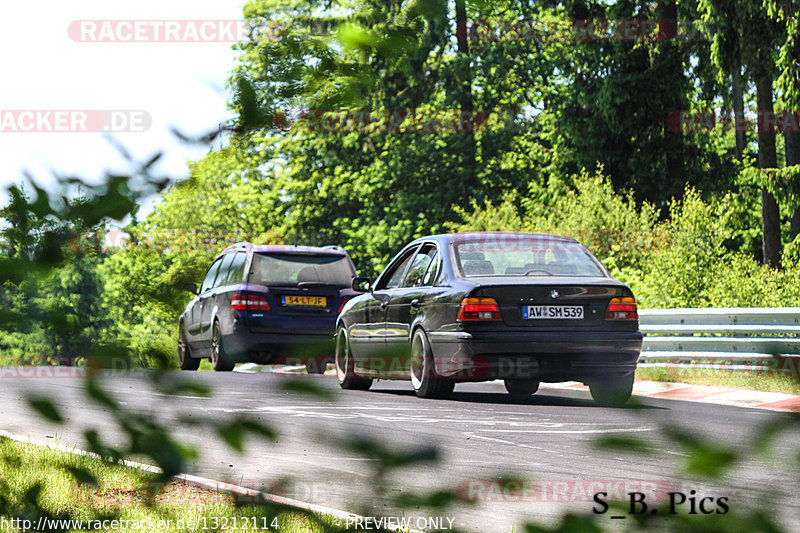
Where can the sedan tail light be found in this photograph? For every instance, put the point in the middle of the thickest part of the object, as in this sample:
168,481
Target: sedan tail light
478,309
622,309
249,302
341,305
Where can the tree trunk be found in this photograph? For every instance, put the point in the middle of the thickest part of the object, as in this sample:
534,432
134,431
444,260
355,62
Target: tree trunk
767,158
739,125
466,117
672,61
791,140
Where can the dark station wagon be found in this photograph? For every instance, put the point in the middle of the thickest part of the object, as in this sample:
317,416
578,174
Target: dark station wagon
267,304
522,307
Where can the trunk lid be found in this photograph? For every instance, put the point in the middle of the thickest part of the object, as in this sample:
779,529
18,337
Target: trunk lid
545,300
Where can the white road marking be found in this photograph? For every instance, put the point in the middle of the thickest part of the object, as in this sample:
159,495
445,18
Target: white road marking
610,430
187,397
518,445
511,432
362,413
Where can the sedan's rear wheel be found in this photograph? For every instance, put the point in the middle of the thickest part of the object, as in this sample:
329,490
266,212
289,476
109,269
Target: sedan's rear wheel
219,359
185,358
520,389
426,382
612,392
345,365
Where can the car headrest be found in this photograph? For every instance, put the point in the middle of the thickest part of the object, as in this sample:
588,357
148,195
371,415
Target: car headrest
308,273
478,268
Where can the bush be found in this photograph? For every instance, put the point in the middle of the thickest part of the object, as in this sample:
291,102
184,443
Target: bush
681,261
606,222
679,267
161,353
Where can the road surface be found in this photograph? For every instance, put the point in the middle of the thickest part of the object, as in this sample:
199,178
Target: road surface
546,442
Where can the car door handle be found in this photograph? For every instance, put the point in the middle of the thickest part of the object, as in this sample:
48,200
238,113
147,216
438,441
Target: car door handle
384,304
415,302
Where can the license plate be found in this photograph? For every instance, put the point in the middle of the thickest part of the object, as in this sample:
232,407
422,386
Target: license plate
552,312
306,301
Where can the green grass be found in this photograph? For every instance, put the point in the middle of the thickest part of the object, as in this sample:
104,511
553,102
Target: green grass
128,494
741,379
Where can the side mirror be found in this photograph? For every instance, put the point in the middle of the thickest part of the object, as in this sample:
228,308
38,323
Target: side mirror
191,287
361,284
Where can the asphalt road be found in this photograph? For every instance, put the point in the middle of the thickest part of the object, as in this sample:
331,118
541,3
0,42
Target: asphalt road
546,441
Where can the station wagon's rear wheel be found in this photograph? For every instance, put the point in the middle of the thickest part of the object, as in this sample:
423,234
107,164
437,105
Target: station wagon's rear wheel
219,359
519,389
185,358
426,382
317,365
345,365
612,392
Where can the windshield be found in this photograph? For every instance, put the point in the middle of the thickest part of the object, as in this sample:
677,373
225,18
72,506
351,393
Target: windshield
291,269
524,256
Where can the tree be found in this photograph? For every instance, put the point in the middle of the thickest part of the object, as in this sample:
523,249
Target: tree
757,52
789,86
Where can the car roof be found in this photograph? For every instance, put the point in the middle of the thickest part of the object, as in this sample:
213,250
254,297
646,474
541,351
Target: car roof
285,249
488,235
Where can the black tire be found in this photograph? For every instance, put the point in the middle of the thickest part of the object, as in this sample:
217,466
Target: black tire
345,365
317,365
185,358
446,387
519,389
219,359
426,382
612,392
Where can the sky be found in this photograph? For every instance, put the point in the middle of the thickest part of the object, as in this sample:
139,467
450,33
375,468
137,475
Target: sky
94,64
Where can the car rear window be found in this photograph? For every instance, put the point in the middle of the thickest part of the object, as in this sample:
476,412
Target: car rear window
514,255
291,269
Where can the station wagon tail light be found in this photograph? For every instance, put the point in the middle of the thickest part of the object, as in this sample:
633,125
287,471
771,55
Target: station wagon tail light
341,305
477,309
622,309
249,302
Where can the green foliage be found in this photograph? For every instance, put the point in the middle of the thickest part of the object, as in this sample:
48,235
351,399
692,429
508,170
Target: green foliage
607,223
54,303
37,481
142,299
782,183
553,108
678,272
681,261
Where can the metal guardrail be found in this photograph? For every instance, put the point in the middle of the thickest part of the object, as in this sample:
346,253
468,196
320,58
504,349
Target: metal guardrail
733,334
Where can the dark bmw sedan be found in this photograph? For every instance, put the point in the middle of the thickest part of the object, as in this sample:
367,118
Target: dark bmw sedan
522,307
267,304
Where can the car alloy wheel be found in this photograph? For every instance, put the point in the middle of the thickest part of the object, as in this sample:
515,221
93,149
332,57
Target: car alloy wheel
187,362
219,359
426,383
345,365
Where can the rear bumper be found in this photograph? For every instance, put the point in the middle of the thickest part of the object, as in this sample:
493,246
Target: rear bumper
280,348
543,356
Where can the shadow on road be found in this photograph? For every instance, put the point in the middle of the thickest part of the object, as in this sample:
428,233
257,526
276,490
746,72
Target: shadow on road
537,399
